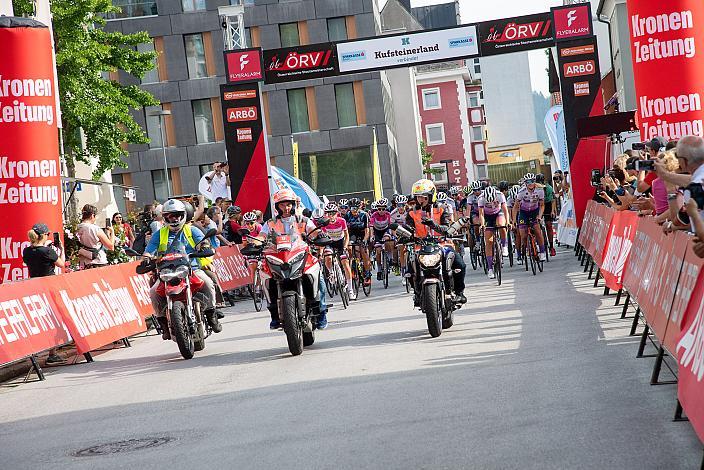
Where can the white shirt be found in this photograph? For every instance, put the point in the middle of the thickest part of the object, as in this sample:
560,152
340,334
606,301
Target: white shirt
218,185
698,175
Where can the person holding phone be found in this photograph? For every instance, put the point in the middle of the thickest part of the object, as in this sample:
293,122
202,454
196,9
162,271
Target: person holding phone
42,257
219,180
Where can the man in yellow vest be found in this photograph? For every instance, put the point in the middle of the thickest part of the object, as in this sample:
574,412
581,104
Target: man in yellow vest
173,237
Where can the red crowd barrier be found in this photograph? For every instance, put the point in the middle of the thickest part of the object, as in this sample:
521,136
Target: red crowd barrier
93,307
663,275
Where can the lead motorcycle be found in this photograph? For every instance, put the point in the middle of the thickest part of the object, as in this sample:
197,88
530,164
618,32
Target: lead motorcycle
294,272
183,290
430,266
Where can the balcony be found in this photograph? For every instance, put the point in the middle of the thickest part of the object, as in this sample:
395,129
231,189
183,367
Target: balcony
133,9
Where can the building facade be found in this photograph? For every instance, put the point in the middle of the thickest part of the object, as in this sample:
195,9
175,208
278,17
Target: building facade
332,120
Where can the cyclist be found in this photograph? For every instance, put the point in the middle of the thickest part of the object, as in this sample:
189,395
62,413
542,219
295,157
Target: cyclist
493,213
550,209
472,209
447,205
344,208
336,229
251,224
380,221
529,205
504,187
358,229
513,224
398,216
424,193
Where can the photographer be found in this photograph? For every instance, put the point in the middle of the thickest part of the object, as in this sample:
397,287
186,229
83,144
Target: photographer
219,180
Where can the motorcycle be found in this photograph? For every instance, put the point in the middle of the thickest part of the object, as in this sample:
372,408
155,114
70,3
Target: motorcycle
434,286
294,272
182,289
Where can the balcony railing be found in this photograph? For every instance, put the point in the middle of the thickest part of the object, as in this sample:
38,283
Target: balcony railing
133,8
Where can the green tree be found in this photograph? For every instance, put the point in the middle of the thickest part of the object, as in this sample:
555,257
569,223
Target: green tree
426,158
96,111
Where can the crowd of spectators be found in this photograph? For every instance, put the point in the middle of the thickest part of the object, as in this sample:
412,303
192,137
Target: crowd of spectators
664,180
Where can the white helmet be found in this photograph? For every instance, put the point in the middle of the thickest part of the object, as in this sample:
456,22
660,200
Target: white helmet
330,207
174,212
250,217
383,202
401,199
513,192
490,194
442,197
476,185
529,177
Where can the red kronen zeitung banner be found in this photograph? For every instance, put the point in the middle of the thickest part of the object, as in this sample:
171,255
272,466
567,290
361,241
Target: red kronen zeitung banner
30,178
667,42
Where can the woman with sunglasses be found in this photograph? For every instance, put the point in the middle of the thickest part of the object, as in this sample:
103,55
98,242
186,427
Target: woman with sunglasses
120,227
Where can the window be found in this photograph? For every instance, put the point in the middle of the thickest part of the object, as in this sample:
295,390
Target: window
195,55
154,127
337,29
431,98
203,169
435,134
482,172
153,75
203,118
119,193
298,110
289,34
346,111
473,99
161,190
477,133
439,178
133,8
477,66
340,172
193,5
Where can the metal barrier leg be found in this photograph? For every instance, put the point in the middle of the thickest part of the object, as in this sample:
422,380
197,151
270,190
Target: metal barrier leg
625,305
618,296
88,357
678,413
606,290
596,279
126,342
643,341
591,270
36,367
634,326
655,378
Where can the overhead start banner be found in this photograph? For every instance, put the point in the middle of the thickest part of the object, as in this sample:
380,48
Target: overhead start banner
516,34
405,50
300,63
667,45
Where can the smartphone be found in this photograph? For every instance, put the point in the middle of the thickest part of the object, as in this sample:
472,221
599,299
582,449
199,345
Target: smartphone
108,222
57,239
645,165
596,177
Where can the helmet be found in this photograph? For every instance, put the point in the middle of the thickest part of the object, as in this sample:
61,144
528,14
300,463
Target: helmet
467,189
424,187
442,197
330,207
490,194
454,190
476,185
250,217
540,178
383,202
284,195
355,202
401,199
503,185
343,203
513,192
174,212
373,205
233,210
529,178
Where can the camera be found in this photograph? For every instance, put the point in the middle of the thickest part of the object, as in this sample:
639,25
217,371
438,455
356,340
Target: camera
696,192
638,146
596,178
644,165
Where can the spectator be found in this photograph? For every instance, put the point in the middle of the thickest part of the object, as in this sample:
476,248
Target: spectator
219,180
669,161
225,204
233,225
93,240
122,229
260,216
42,257
698,224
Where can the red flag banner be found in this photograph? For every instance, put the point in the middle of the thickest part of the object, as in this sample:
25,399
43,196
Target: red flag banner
600,229
618,248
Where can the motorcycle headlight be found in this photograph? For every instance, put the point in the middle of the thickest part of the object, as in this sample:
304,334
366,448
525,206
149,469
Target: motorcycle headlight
296,262
274,260
430,260
169,274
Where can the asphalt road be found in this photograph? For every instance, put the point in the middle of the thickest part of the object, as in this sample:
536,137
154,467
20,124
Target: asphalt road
538,373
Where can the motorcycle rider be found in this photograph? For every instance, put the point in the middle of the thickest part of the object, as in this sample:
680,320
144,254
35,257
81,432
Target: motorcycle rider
429,216
286,222
176,235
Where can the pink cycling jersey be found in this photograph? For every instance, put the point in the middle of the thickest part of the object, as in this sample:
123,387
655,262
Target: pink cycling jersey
530,200
381,221
336,230
492,208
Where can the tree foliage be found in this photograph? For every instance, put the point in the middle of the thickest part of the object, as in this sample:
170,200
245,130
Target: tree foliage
95,110
426,158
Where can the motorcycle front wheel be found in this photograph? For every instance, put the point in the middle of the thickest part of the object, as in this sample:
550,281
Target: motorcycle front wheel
431,308
292,327
180,331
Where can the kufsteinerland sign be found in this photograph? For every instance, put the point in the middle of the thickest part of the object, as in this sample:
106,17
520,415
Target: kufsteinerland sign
405,50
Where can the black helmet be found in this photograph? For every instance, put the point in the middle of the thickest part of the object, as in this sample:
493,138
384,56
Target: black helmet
503,185
540,178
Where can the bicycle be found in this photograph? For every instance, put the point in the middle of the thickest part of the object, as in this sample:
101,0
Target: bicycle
544,229
496,250
357,267
256,288
477,241
338,277
510,246
531,253
385,264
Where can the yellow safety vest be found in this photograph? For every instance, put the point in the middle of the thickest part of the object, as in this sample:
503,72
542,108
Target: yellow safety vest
164,241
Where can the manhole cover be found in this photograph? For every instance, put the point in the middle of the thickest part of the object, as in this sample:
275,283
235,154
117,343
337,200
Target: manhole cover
119,447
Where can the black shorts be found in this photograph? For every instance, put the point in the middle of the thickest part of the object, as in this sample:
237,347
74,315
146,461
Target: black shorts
356,234
380,234
547,213
490,219
337,246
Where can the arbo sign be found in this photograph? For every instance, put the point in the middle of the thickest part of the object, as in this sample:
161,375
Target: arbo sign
576,69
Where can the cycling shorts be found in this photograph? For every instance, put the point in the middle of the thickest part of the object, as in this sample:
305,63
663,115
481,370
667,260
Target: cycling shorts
526,218
381,234
357,233
490,219
337,246
547,212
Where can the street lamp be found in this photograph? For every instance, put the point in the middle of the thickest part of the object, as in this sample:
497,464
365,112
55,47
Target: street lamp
447,171
162,113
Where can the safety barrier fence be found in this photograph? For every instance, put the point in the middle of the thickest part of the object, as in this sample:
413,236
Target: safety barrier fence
661,278
94,307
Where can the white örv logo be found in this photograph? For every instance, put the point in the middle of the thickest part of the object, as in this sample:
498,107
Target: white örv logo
243,61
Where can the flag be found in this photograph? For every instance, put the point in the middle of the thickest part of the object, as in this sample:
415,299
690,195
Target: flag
282,180
378,192
294,146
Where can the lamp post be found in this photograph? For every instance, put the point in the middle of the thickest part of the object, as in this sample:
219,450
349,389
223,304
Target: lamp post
447,172
162,113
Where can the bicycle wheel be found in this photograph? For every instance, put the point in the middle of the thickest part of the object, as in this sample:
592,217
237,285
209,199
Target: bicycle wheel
524,254
533,253
341,282
545,241
482,254
355,275
509,244
497,261
473,258
385,268
257,292
329,284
